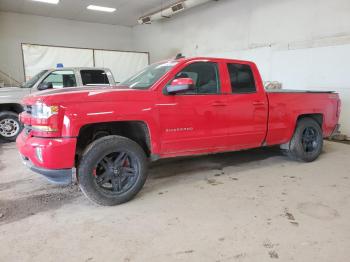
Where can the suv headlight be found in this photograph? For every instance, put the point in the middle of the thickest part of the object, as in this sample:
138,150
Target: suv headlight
40,110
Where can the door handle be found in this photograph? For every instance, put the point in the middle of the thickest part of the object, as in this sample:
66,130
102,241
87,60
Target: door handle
218,103
258,103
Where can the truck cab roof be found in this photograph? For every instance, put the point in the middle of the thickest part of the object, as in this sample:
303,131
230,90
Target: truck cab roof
185,59
77,68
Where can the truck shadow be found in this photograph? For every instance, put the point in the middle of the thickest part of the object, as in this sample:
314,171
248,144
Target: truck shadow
168,172
175,166
12,210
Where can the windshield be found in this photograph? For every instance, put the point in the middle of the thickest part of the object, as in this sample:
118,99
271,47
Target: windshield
33,80
149,75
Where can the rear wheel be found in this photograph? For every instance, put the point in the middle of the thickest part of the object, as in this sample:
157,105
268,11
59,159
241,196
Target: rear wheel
113,169
307,141
10,126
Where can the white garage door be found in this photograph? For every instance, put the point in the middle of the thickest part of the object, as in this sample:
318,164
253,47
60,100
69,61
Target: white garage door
122,64
39,57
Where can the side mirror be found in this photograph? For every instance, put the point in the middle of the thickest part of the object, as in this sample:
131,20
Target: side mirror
180,85
44,86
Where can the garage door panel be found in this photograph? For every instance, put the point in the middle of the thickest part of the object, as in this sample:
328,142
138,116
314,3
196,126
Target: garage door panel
39,57
122,64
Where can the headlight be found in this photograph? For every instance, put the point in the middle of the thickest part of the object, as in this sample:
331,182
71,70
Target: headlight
41,110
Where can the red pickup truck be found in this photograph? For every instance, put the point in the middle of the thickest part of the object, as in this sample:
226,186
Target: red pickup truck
105,137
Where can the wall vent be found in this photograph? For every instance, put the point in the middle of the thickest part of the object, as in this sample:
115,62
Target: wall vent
178,7
146,20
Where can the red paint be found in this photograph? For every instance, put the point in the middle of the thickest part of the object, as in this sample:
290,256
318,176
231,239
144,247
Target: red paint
58,153
178,124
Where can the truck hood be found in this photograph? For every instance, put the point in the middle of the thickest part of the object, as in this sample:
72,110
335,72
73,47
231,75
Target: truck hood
9,88
14,89
13,94
83,95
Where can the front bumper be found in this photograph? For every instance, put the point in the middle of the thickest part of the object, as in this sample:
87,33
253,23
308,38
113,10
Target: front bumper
56,176
55,158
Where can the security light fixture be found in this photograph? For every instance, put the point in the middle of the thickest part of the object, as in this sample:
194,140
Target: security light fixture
55,2
101,8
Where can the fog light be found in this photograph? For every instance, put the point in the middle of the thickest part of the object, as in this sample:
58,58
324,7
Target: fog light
39,155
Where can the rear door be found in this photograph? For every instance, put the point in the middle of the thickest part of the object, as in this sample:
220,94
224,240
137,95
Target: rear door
247,106
193,121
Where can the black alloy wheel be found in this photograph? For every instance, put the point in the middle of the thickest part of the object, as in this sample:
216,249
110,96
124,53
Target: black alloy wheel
112,170
309,139
116,172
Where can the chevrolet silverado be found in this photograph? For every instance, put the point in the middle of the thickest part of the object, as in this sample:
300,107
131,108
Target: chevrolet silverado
105,137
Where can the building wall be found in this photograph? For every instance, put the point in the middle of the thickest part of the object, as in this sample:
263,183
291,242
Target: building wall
18,28
305,44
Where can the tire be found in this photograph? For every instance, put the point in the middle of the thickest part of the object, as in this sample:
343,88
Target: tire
112,170
10,127
307,141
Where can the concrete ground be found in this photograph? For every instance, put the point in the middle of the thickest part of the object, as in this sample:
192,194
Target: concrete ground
246,206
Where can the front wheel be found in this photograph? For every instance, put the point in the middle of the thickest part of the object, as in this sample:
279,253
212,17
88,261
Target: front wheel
10,126
113,169
307,141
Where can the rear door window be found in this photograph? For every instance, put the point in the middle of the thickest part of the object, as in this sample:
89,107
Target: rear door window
242,78
94,77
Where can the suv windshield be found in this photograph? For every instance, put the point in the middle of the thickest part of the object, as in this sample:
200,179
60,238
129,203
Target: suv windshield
33,80
149,75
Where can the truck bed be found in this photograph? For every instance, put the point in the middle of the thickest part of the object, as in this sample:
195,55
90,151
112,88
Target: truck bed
285,106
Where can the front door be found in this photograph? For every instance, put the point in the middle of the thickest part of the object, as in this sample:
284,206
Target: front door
193,121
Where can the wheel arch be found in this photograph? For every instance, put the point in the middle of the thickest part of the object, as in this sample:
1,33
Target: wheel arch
318,117
12,107
137,131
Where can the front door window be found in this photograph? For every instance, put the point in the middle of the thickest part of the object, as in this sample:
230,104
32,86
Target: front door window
61,78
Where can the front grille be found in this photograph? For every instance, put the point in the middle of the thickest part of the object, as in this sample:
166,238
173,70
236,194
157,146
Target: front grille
28,109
